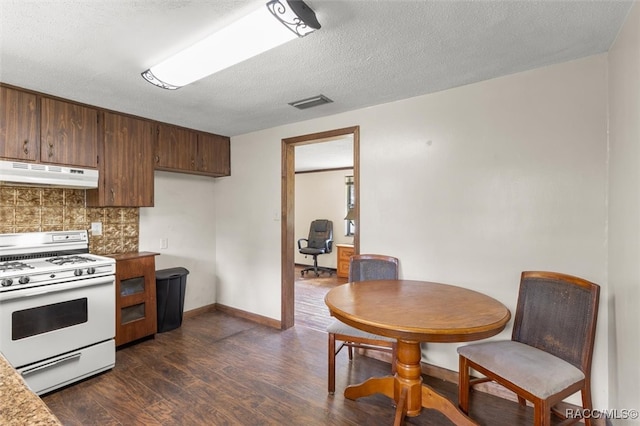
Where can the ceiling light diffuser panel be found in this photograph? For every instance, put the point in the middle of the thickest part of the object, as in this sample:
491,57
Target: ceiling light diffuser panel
271,25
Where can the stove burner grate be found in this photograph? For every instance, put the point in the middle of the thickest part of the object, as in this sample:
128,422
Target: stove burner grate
69,260
14,266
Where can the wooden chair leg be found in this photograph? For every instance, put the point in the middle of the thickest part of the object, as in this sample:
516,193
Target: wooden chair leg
541,413
350,349
463,385
332,363
587,404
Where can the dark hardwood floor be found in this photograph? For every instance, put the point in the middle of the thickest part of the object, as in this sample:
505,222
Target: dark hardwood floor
309,295
221,370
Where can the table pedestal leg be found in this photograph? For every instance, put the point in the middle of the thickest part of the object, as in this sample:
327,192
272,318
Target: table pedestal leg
406,388
432,399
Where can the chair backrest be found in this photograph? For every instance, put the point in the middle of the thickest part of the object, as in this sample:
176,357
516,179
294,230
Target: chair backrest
557,313
365,267
320,231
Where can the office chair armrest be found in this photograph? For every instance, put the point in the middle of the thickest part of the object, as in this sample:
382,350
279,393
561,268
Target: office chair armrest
328,245
300,245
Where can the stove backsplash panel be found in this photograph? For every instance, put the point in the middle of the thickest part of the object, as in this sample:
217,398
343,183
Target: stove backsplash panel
31,209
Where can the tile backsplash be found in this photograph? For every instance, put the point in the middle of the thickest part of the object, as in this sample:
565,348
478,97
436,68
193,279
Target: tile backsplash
34,209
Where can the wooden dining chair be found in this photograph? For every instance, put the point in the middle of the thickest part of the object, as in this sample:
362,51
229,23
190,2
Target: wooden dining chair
549,355
362,267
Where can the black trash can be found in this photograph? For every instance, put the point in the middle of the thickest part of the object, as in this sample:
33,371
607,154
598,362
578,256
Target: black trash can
170,287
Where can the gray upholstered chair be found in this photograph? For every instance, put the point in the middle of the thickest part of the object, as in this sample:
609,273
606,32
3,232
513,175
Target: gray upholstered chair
320,241
362,267
549,355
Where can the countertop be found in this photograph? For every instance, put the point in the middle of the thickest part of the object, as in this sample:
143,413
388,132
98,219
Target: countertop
135,255
19,406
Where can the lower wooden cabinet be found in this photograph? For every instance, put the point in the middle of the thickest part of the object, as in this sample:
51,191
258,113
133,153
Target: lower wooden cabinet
135,296
345,251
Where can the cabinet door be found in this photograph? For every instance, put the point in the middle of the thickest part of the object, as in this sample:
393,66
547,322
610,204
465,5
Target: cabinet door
135,299
128,162
175,148
18,124
68,134
213,155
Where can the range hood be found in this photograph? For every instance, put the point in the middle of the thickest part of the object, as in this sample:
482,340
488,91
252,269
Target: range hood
31,174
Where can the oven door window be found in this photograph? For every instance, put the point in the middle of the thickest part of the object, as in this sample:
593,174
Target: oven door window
43,319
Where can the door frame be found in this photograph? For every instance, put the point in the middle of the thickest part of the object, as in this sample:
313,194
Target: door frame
287,316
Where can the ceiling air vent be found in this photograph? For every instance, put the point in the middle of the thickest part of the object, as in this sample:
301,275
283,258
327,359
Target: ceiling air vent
311,102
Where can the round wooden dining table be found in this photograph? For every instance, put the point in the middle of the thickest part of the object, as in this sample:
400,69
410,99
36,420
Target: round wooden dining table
413,312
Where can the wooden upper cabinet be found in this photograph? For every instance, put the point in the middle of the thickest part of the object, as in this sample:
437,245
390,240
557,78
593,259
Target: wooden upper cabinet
18,125
39,128
127,170
188,151
175,149
213,154
68,134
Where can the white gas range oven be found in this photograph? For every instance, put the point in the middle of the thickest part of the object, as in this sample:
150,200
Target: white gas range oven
57,308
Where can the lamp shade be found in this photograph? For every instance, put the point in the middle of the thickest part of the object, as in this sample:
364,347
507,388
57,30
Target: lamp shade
351,214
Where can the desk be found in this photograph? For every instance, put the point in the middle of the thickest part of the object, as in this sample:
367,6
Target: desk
345,251
414,312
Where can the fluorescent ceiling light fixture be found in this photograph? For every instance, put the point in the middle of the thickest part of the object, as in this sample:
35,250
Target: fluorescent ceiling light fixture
276,23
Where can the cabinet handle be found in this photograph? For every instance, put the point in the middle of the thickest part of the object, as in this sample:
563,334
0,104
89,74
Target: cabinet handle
157,158
113,195
25,147
50,149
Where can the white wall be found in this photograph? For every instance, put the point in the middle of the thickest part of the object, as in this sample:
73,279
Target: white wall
468,186
320,195
624,216
248,225
184,214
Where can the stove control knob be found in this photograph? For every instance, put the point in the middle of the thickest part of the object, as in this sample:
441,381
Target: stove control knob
77,272
6,282
91,271
24,280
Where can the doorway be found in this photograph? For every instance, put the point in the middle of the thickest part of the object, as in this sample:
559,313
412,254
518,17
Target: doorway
288,210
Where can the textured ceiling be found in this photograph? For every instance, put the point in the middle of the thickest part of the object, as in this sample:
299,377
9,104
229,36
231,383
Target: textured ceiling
367,53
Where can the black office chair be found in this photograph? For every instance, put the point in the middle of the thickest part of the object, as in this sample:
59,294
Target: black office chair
320,241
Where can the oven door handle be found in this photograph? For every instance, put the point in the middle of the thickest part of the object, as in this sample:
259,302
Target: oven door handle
55,288
50,364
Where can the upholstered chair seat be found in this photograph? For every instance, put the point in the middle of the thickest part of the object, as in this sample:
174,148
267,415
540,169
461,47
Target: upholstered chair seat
531,369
